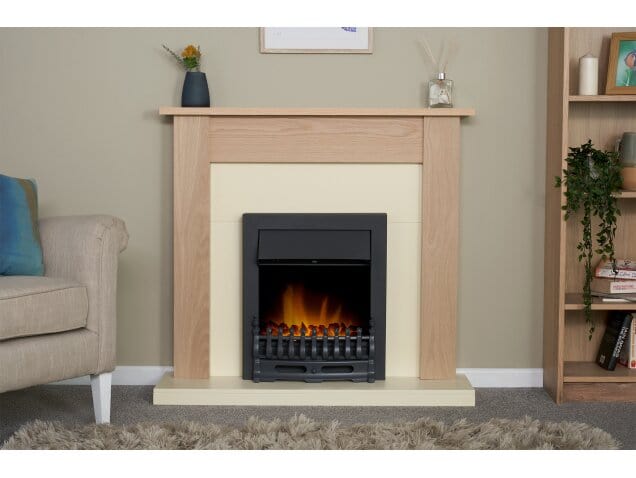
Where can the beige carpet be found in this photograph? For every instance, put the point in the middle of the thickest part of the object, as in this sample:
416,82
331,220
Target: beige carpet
302,433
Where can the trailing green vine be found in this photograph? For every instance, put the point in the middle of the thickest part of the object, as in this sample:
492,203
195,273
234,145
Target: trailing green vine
591,178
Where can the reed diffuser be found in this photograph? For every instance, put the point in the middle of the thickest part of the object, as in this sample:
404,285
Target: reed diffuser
440,88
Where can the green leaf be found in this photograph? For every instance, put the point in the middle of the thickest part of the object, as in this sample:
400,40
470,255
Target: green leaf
591,177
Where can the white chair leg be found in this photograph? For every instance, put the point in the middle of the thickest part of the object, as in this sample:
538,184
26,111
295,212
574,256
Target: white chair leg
100,386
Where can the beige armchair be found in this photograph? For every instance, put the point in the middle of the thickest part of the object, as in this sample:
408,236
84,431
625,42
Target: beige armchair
62,325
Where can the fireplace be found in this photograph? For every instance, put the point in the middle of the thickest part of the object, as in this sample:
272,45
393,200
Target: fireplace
223,158
314,297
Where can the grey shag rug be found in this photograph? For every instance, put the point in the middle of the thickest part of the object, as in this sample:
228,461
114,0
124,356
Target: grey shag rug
302,433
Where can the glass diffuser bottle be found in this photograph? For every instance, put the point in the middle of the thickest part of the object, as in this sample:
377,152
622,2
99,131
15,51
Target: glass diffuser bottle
440,92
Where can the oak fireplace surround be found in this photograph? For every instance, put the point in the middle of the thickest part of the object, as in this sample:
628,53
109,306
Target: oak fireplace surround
203,136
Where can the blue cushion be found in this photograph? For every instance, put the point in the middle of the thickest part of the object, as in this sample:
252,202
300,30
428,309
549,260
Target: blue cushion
20,247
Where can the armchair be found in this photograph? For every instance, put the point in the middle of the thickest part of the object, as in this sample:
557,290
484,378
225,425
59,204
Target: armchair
62,325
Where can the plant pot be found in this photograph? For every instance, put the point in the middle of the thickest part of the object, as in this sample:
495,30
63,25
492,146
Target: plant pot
626,148
195,90
628,174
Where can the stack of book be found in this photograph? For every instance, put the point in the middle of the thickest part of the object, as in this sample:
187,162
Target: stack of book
617,285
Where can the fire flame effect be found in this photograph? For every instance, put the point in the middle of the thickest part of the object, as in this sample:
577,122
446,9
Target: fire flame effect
297,314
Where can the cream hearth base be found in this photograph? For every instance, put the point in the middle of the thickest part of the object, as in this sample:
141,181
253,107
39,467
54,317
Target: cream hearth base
419,143
392,392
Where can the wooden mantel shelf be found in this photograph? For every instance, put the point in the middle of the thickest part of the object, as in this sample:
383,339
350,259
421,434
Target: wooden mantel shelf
445,112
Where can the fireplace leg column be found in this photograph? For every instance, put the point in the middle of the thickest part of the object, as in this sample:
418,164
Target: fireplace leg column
440,247
191,248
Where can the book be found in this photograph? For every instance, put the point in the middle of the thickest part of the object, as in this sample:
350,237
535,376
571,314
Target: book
618,324
613,286
627,356
626,269
620,298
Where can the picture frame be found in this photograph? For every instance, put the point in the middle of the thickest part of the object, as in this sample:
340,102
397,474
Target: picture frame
621,67
316,40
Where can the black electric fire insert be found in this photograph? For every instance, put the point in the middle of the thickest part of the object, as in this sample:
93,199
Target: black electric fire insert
314,297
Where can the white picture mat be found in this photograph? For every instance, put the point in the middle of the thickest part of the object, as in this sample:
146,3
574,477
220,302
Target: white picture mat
316,39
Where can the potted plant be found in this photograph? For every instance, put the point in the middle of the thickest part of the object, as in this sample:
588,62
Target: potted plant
591,179
195,86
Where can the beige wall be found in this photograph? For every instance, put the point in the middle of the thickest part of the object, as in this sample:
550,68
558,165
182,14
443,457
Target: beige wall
78,112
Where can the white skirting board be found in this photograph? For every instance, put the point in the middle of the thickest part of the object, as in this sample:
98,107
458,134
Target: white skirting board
478,377
504,377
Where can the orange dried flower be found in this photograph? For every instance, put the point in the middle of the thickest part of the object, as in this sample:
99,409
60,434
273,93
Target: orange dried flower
190,57
190,51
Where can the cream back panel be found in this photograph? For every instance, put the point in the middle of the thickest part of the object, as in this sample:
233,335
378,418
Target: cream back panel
329,188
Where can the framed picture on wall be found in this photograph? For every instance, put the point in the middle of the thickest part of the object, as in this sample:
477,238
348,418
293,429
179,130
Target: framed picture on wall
316,40
621,69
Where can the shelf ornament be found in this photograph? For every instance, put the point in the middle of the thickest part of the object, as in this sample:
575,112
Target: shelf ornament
440,88
195,92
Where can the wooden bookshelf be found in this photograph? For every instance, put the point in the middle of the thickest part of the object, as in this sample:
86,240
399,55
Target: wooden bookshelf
601,98
626,195
590,372
569,369
574,301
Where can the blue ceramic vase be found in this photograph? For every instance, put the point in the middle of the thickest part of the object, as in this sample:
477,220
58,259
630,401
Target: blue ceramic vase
195,90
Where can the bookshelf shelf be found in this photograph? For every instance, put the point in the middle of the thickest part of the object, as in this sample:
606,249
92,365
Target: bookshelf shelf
602,99
590,372
626,195
574,301
570,372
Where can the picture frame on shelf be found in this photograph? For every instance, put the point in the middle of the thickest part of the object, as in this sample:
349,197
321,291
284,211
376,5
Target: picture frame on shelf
316,40
621,68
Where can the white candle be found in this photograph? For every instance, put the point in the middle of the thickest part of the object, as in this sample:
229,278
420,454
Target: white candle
588,75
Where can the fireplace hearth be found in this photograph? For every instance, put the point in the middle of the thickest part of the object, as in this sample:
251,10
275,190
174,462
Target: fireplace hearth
314,297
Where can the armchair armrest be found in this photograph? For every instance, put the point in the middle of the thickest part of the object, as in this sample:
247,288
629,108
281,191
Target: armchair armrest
86,249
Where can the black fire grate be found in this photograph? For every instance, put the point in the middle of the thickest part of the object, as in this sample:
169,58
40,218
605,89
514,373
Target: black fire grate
315,357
